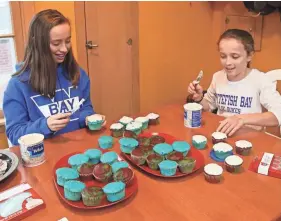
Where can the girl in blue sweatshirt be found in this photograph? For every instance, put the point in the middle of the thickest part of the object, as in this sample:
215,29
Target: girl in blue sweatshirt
49,93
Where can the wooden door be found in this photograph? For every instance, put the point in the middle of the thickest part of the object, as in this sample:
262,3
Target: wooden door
112,29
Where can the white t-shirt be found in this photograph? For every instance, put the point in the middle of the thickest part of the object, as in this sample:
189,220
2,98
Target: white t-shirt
245,96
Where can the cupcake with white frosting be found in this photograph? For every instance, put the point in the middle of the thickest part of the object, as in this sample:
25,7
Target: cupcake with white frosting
233,163
222,150
218,137
199,141
243,147
153,119
134,127
213,173
126,120
143,121
117,129
95,122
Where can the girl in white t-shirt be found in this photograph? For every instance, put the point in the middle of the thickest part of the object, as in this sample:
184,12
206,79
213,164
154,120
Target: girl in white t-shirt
237,91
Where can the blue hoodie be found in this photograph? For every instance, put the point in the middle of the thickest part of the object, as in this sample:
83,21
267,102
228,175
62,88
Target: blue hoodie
27,111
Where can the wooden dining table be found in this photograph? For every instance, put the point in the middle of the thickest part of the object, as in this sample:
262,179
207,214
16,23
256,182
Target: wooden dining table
246,196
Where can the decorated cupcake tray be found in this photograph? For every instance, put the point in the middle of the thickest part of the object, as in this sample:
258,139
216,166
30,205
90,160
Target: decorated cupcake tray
193,153
130,189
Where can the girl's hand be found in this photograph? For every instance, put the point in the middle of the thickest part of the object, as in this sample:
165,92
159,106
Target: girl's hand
230,125
196,90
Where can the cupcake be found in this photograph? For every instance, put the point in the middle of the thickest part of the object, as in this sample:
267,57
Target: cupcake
222,150
94,155
143,141
127,145
181,146
168,167
86,171
73,189
135,127
103,172
138,156
109,157
156,139
153,160
92,196
199,141
95,122
124,175
117,129
143,121
130,134
125,120
175,156
233,163
114,191
218,137
213,173
243,147
153,119
118,165
147,150
105,142
65,174
163,149
187,165
78,159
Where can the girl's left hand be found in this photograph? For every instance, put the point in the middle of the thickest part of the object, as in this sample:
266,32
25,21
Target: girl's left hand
230,125
103,117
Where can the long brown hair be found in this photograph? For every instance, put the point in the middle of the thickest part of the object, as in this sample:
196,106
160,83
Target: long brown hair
38,59
243,36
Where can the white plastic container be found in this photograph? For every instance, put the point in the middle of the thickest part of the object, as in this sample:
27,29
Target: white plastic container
192,115
32,149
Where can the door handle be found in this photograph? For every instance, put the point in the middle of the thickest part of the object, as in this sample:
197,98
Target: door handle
90,45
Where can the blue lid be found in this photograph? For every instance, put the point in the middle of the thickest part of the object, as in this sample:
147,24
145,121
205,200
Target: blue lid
78,159
93,153
113,187
118,165
181,146
163,148
167,164
106,139
108,157
74,185
67,173
128,142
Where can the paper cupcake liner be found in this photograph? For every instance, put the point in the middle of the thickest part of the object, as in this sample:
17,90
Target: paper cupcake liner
72,196
139,160
92,200
168,171
127,150
199,145
95,125
113,197
232,168
215,141
154,121
105,145
222,155
94,160
144,125
187,168
243,151
212,178
117,133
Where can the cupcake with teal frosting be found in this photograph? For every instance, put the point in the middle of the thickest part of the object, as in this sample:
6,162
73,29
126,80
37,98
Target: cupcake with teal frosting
135,127
199,141
73,189
109,157
118,165
163,149
95,122
94,155
65,174
182,147
105,142
168,167
127,145
144,121
126,120
78,159
114,191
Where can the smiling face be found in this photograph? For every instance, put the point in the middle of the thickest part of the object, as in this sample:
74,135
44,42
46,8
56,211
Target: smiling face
60,42
234,58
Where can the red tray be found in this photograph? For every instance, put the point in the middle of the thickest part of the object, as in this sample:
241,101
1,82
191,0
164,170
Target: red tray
194,153
63,162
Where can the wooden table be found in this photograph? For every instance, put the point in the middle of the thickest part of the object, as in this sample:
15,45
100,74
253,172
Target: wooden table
239,197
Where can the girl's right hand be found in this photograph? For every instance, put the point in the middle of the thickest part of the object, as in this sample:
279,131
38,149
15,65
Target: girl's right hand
196,90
